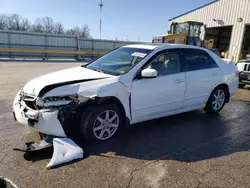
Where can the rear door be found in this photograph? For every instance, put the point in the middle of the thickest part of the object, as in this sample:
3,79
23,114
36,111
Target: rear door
202,75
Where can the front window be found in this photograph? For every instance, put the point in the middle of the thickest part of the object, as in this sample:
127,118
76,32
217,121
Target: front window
119,61
166,63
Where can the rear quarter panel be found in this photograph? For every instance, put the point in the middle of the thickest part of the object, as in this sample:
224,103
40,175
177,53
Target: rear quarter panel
228,75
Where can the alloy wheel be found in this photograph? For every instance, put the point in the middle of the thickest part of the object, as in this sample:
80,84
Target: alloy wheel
218,99
106,124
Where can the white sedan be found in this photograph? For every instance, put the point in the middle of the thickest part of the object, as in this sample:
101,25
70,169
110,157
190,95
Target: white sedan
131,84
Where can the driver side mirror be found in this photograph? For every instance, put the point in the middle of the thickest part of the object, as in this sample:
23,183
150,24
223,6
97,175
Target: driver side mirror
149,73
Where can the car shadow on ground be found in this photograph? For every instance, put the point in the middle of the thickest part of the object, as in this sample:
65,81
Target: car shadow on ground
187,137
35,156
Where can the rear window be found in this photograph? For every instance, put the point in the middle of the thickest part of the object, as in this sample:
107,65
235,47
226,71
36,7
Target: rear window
198,60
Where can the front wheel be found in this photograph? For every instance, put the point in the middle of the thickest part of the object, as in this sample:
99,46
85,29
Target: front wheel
101,122
216,100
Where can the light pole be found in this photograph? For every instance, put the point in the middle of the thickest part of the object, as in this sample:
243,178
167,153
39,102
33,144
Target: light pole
101,5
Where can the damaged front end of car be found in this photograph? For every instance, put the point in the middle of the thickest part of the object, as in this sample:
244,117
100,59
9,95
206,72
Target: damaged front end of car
52,116
48,115
57,110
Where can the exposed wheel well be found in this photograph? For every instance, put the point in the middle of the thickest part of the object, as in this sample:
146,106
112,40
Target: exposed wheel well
112,100
227,91
101,100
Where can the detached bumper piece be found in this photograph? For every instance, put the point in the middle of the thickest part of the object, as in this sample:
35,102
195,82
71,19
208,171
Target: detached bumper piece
65,150
33,146
6,183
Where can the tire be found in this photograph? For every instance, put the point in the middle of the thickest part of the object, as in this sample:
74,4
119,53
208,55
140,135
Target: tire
242,85
95,125
215,105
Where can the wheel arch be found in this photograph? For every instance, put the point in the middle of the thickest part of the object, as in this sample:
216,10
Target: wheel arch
226,88
112,100
105,100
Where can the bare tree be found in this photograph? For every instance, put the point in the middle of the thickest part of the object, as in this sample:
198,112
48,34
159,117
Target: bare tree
73,31
85,32
25,25
48,24
58,28
42,25
4,21
37,26
69,32
15,22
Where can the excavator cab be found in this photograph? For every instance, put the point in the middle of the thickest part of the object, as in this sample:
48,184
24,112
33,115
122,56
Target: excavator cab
190,28
192,33
189,32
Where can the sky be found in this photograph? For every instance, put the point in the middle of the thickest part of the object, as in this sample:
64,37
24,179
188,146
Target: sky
134,20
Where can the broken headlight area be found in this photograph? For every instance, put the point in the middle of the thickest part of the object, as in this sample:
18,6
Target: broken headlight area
54,102
67,114
59,111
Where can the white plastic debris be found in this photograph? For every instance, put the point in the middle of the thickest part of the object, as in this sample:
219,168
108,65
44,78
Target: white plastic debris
65,150
6,183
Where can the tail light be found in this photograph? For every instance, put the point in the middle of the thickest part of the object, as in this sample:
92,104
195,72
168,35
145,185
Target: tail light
237,73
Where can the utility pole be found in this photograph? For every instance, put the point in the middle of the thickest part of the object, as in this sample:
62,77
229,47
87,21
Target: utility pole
101,5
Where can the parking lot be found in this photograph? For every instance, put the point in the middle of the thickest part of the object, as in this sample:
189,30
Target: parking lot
187,150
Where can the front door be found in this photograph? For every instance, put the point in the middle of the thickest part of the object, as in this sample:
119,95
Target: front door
154,97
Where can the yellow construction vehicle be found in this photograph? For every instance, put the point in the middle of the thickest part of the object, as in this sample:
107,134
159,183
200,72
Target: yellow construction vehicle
190,32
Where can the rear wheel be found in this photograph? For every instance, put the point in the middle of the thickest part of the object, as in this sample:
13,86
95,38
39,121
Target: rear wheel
216,100
242,85
101,122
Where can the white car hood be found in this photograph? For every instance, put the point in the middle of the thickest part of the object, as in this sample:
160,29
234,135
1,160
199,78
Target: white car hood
34,86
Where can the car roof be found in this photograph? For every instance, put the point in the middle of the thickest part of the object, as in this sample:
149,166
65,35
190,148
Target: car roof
142,46
152,46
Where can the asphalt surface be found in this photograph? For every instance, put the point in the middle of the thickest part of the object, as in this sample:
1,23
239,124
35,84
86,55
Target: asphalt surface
186,150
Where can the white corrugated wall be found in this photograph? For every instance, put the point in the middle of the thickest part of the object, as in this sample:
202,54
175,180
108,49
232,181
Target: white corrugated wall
228,11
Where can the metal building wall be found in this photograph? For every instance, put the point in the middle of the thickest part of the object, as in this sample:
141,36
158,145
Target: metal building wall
228,11
42,41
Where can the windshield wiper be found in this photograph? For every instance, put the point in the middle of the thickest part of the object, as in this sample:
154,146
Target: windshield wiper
98,70
92,68
84,65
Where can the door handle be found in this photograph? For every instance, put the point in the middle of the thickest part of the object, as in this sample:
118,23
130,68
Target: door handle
214,74
178,81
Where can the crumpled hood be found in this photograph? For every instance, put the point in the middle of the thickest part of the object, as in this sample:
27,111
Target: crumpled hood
34,86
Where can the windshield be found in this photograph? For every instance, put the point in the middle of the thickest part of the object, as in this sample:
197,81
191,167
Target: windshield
182,28
119,61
